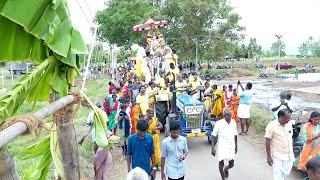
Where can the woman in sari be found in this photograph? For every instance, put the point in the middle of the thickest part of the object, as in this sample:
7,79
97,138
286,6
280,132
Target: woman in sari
217,99
114,106
154,129
207,97
234,104
311,137
151,90
135,116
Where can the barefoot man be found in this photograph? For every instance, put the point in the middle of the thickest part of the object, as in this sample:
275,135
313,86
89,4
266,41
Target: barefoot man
226,130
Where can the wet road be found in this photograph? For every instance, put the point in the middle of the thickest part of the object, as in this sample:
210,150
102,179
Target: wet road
250,164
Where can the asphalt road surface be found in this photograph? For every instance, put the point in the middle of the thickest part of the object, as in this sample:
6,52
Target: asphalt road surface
250,164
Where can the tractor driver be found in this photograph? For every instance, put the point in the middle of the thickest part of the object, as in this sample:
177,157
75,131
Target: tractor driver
181,85
194,84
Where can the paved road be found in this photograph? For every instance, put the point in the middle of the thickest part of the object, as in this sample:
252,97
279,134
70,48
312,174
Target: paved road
250,164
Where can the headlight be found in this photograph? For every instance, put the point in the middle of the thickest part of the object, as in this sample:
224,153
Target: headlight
199,109
189,110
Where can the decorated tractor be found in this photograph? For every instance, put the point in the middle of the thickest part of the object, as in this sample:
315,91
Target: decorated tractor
190,112
188,109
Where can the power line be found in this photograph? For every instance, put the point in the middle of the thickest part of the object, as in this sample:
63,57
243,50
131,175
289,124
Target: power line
84,13
89,9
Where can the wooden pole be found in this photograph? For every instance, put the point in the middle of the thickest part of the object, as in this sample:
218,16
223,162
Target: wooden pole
7,167
12,132
68,145
67,139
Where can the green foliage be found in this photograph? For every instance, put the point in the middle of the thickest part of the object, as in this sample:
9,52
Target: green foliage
254,49
36,85
275,48
121,55
310,48
259,119
212,25
29,28
98,55
119,18
40,169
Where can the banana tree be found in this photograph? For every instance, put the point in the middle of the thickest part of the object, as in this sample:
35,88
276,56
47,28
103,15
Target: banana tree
42,31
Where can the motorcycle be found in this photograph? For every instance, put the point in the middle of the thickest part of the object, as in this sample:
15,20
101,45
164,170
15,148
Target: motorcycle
296,139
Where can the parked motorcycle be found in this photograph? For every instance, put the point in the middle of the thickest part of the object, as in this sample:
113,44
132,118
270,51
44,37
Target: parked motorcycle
296,139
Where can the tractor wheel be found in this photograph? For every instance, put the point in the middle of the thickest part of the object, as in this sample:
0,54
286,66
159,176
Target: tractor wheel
161,111
166,130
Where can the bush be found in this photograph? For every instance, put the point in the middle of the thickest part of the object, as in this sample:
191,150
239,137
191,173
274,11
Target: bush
259,119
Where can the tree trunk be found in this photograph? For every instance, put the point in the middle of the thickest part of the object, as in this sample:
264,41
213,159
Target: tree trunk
7,168
68,144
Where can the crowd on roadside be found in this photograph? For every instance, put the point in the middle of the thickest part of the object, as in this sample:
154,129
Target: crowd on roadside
130,108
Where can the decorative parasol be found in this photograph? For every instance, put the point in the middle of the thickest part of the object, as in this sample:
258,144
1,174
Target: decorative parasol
149,25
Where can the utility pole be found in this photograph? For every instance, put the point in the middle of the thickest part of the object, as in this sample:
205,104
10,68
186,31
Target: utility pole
196,42
279,41
279,51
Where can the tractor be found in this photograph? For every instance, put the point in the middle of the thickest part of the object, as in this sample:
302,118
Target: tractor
190,112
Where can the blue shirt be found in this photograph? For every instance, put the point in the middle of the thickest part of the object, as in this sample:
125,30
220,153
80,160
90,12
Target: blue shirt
172,150
245,97
141,151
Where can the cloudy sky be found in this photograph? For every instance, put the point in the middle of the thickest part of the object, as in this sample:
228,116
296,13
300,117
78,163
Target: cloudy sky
296,20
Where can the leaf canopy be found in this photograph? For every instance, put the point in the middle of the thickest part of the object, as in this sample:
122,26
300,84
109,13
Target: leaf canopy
34,29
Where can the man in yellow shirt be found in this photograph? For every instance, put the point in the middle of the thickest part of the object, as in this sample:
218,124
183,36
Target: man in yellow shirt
192,72
194,84
180,85
142,101
173,70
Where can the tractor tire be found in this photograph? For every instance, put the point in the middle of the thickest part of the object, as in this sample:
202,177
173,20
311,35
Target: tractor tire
161,111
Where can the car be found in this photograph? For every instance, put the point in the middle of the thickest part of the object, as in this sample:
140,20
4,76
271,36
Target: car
283,65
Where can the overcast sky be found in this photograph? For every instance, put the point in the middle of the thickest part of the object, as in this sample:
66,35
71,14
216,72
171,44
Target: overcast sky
296,20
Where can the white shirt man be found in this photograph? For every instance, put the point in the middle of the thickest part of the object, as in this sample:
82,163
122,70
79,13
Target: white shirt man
226,144
226,130
279,145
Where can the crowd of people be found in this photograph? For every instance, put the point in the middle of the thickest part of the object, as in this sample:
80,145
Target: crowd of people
130,110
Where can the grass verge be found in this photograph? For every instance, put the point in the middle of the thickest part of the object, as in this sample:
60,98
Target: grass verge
96,90
259,119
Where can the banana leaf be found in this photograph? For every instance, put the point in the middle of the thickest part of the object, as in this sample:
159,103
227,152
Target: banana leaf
30,27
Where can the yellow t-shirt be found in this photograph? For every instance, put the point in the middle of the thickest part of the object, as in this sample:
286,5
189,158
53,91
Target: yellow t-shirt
150,91
180,84
191,78
175,72
194,84
143,103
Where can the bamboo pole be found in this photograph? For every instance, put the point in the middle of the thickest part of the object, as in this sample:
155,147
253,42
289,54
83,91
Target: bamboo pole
12,132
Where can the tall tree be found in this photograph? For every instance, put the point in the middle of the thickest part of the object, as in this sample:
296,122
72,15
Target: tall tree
253,48
275,48
303,50
210,25
120,16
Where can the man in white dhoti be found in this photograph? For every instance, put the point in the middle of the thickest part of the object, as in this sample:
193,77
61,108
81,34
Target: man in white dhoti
226,130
